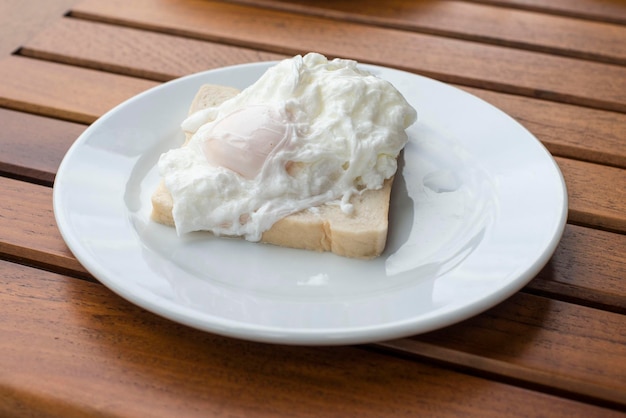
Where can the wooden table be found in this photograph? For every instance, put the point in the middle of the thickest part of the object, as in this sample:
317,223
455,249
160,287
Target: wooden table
70,347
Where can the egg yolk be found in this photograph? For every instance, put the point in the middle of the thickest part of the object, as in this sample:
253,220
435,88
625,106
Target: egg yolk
242,140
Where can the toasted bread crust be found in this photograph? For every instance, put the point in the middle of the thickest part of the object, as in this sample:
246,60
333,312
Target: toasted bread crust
361,234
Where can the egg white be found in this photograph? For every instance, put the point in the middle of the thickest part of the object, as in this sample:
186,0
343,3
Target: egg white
310,131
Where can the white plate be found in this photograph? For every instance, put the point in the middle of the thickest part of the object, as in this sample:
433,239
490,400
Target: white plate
478,208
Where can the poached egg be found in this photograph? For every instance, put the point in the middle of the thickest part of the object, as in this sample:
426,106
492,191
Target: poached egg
310,131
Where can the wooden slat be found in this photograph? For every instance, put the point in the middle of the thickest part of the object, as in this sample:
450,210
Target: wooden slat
33,146
62,91
597,194
468,63
22,19
567,130
28,230
501,26
70,347
587,267
133,52
608,11
539,341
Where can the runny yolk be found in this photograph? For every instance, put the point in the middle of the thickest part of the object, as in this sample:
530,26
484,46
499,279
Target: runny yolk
242,140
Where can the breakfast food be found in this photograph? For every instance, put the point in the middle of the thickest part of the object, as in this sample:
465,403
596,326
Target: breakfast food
303,158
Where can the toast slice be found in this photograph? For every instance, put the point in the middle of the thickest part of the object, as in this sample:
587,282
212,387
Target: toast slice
361,234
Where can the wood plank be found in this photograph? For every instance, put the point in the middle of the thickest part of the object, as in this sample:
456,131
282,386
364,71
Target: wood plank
597,194
557,35
607,11
34,86
151,55
80,350
567,130
22,19
587,267
28,230
33,146
542,342
469,63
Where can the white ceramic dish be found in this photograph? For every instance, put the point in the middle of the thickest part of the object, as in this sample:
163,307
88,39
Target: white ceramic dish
478,208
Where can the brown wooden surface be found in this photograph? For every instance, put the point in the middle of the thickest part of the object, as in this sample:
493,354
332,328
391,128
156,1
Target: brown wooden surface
476,64
587,267
565,129
569,131
33,146
608,11
18,26
70,347
29,231
557,35
41,87
148,356
527,334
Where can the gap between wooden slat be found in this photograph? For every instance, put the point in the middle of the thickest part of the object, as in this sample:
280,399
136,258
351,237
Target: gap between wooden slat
44,264
568,131
29,232
20,20
533,379
578,296
580,346
134,52
33,146
596,193
64,92
587,268
611,11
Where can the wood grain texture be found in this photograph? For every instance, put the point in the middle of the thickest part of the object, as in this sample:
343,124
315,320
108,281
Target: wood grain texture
539,341
557,35
33,86
138,53
597,194
469,63
86,351
22,19
28,230
605,10
567,130
32,147
587,267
